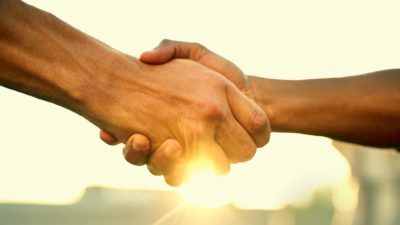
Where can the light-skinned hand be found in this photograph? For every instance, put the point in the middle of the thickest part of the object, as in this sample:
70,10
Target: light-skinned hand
165,52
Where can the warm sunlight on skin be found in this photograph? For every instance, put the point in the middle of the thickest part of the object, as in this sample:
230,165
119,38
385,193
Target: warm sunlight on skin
277,176
206,189
49,155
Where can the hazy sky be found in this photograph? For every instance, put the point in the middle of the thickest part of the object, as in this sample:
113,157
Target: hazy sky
48,154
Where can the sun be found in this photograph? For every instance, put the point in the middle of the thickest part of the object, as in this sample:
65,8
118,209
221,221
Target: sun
205,189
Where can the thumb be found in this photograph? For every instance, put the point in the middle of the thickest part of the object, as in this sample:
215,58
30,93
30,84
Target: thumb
108,138
168,50
137,149
159,55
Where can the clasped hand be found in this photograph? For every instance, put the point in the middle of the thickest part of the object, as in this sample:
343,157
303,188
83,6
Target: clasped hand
207,116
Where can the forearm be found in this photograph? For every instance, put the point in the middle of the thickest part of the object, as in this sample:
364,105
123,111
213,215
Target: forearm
360,109
44,57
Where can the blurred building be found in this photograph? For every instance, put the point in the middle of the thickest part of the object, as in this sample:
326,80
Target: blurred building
370,197
103,206
377,172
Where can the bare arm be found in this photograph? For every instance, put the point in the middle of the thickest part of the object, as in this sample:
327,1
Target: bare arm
44,57
362,109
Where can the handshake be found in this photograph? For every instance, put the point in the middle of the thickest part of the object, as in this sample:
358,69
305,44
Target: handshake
181,107
191,109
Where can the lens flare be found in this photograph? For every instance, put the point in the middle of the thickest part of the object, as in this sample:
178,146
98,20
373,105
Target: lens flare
205,189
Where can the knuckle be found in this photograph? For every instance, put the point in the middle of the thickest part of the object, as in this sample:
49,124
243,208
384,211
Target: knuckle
198,45
212,110
165,42
259,122
214,82
249,153
199,51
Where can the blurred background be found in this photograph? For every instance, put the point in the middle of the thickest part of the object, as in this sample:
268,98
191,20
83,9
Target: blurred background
55,170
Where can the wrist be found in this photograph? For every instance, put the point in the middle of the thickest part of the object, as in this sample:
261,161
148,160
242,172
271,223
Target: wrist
96,97
279,100
263,96
298,106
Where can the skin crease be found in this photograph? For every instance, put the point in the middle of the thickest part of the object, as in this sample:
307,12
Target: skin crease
199,111
328,107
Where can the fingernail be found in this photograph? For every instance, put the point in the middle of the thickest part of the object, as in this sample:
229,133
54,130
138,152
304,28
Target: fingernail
139,145
171,151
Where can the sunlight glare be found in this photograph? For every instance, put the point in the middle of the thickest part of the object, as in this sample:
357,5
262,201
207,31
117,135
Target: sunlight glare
206,190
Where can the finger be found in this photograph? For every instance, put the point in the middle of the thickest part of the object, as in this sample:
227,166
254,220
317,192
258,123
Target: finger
210,156
168,50
158,55
165,157
137,149
176,176
108,138
235,141
249,115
